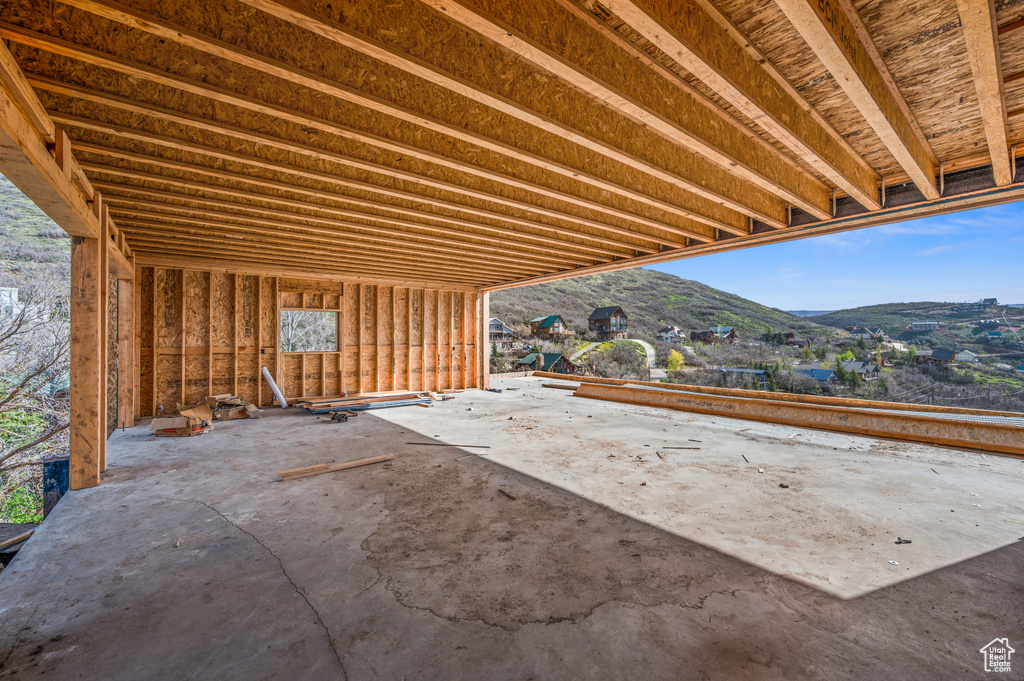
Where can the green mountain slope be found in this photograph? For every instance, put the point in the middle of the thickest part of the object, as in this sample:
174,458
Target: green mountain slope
651,300
959,328
26,233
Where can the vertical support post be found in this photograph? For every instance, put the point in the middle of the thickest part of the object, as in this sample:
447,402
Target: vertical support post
437,339
361,314
408,340
125,353
86,376
258,288
485,356
137,346
104,245
423,340
276,312
152,328
451,339
476,342
376,337
209,333
341,339
394,337
234,338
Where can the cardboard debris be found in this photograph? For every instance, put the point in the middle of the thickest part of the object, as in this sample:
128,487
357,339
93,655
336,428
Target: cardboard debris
229,407
193,420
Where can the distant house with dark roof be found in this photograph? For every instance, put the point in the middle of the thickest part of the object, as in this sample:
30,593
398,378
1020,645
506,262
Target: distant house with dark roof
608,323
551,326
866,370
716,334
548,361
924,326
937,357
741,377
670,334
820,376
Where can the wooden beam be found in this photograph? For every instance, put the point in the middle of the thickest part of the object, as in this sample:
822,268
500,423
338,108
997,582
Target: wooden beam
125,353
837,36
485,321
318,25
355,232
86,367
157,242
104,218
690,34
718,217
510,235
686,228
611,76
179,145
18,89
234,264
185,229
25,161
978,21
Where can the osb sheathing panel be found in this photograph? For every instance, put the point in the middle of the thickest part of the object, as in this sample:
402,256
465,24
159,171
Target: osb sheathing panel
224,373
329,144
197,378
112,323
269,318
248,301
223,307
404,24
250,380
923,47
197,309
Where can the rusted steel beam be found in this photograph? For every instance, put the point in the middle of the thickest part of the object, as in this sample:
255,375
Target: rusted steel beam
987,437
790,397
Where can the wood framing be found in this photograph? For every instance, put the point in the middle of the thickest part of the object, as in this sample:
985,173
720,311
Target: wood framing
978,19
88,408
834,31
213,333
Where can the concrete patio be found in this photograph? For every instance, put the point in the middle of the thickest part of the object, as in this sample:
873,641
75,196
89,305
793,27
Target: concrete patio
543,557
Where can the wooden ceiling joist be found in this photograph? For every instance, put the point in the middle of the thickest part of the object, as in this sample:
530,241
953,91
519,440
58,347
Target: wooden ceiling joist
249,242
689,34
241,225
621,248
834,31
720,217
115,191
697,183
978,21
695,231
154,250
605,72
352,233
569,239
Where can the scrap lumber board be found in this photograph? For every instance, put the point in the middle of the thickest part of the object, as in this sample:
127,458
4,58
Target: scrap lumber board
363,400
445,444
321,468
14,541
561,386
370,405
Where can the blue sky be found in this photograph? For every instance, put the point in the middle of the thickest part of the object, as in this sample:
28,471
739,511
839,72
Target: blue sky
957,257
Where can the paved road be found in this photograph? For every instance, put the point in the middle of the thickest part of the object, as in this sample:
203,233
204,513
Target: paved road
582,351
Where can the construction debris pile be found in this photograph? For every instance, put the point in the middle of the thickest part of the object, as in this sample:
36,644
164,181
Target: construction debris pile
197,419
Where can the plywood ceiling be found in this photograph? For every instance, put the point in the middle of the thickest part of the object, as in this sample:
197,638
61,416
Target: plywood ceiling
477,143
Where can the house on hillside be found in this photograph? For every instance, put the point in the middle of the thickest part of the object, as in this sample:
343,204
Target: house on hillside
966,357
671,334
923,326
608,323
994,336
552,326
548,361
716,334
737,377
936,357
823,377
500,333
863,333
866,370
795,342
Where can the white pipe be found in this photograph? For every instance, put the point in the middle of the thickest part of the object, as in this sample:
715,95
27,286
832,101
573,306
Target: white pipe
273,386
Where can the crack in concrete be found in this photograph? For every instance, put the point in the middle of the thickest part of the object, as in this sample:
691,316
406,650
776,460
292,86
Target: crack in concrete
301,592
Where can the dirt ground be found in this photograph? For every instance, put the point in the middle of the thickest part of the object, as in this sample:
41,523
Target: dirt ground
544,558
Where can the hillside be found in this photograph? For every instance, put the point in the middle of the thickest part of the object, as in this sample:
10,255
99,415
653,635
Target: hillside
651,300
26,233
893,318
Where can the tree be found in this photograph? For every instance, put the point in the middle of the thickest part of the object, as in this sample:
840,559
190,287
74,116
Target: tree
675,360
821,353
34,372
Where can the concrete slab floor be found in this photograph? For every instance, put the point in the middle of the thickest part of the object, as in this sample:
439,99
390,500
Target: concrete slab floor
543,559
